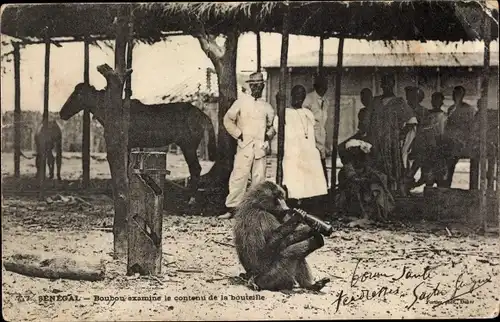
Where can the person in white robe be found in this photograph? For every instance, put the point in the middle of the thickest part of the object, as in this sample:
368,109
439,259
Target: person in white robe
303,175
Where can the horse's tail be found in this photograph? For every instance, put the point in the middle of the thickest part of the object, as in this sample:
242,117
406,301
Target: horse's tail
212,146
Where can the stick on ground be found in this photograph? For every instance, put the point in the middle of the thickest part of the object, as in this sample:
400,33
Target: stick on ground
54,267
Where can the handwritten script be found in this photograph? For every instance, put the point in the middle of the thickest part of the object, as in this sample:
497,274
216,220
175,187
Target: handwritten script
423,287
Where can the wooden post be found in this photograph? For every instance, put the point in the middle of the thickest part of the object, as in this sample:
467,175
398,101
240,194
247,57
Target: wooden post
438,80
321,56
116,124
483,124
146,180
259,52
474,174
282,93
396,83
498,166
336,118
374,81
17,110
43,156
86,119
130,48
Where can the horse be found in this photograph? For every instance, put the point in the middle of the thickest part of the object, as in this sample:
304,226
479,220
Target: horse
153,126
47,139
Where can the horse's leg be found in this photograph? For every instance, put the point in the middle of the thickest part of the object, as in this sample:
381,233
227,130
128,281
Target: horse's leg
191,157
37,164
50,162
59,158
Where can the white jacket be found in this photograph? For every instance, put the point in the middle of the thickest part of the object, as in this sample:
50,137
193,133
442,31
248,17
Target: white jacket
254,119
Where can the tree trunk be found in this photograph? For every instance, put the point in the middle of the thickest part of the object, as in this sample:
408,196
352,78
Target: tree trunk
224,61
116,125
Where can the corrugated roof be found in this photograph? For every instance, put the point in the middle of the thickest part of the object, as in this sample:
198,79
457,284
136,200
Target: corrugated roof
187,89
390,60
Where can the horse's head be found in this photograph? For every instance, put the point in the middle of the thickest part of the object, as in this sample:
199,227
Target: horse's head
84,96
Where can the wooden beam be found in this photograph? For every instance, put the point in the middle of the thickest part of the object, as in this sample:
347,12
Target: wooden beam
86,120
57,41
336,118
483,123
17,110
282,94
259,52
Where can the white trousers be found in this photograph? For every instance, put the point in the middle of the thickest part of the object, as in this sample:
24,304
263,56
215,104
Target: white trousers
245,165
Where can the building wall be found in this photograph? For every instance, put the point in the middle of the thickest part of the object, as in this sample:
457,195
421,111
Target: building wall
356,78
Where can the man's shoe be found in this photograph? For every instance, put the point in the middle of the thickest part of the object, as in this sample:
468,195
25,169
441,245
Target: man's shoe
228,215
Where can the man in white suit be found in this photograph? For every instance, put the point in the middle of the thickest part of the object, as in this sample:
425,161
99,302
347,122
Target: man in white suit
250,122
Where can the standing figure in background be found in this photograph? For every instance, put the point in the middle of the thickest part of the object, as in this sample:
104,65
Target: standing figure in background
392,125
429,143
302,175
459,127
318,104
366,97
414,98
250,122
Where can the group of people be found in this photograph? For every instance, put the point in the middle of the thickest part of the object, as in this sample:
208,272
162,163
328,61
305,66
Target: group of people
253,123
402,136
396,137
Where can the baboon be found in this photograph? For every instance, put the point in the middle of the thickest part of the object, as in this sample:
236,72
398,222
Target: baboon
272,243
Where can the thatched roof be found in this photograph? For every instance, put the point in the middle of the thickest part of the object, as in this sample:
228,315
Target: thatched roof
371,20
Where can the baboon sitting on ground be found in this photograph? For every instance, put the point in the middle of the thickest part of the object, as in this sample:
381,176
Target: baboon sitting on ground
272,244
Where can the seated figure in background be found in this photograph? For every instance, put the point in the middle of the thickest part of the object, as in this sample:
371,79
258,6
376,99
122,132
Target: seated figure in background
363,189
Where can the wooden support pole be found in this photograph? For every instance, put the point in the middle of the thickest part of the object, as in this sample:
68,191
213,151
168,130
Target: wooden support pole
130,49
336,118
396,82
498,165
282,93
321,56
17,110
474,174
86,120
483,123
374,81
116,127
438,80
43,156
259,52
146,180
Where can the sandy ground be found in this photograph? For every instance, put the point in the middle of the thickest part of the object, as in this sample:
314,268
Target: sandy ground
365,267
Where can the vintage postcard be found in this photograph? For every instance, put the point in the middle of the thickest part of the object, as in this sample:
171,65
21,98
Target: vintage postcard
283,160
